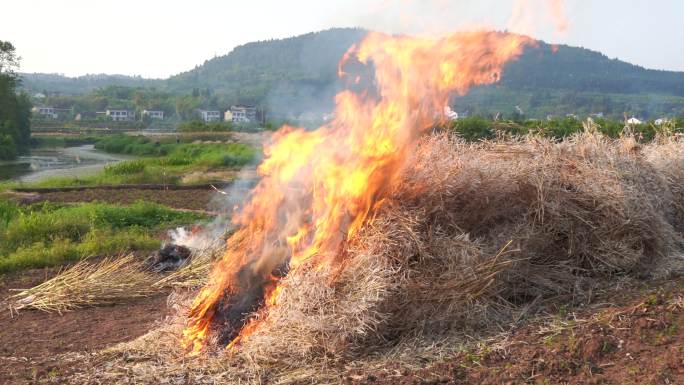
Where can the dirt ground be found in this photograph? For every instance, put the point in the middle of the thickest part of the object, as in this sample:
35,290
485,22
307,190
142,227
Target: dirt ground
633,338
30,340
195,199
630,337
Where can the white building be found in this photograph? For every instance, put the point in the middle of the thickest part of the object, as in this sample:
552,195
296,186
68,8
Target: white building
633,121
243,114
51,112
46,112
210,116
121,115
228,116
661,121
154,114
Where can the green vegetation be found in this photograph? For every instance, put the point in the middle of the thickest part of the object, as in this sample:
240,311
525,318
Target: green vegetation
15,109
62,141
162,162
201,126
50,234
134,145
478,128
299,75
176,153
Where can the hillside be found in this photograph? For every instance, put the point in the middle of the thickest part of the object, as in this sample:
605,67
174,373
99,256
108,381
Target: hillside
40,82
300,71
298,74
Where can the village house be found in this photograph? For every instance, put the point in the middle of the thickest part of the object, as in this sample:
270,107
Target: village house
209,115
120,115
243,114
51,112
154,114
46,112
634,121
228,116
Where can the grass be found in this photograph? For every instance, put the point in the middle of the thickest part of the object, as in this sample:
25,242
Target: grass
50,234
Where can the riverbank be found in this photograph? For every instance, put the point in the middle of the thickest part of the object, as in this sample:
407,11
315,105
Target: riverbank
64,162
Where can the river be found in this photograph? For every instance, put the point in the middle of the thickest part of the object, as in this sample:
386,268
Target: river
43,163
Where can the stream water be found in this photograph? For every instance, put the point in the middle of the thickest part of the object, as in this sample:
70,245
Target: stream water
43,163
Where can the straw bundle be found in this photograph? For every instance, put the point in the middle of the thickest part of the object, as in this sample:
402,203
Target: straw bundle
88,284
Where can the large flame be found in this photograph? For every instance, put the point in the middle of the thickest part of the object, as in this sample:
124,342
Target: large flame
319,187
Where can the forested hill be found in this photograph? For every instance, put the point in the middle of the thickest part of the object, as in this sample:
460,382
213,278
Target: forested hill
571,68
41,82
298,70
298,74
301,71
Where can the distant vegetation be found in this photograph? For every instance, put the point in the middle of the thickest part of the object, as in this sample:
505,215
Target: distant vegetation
299,75
15,108
478,128
41,82
200,126
52,234
161,162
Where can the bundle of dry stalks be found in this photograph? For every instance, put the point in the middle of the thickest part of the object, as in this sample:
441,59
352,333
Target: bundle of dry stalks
88,284
476,237
108,281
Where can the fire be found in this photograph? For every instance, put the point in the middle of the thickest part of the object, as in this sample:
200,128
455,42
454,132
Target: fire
319,187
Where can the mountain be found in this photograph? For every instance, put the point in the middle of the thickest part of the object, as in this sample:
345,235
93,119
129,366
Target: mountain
295,74
56,83
299,74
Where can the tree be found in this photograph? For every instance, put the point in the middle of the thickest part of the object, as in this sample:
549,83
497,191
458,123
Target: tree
15,109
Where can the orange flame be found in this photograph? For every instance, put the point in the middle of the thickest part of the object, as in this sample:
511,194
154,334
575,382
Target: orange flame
319,187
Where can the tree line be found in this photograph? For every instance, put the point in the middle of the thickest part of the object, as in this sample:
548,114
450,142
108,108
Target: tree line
15,107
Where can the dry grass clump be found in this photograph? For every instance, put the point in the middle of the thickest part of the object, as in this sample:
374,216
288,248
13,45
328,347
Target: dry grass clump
109,281
88,284
475,238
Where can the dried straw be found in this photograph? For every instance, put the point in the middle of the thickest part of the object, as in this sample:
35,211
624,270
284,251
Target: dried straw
88,284
477,237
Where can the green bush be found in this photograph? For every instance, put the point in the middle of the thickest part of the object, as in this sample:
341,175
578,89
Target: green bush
8,149
132,145
473,128
200,126
126,168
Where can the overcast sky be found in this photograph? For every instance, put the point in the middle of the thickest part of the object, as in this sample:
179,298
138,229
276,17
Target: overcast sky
159,38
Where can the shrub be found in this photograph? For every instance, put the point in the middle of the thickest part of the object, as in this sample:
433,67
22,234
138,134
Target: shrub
473,128
125,168
198,125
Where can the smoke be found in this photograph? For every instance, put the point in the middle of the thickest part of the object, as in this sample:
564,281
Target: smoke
310,92
436,18
225,202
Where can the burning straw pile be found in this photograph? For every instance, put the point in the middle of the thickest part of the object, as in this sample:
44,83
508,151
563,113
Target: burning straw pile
475,237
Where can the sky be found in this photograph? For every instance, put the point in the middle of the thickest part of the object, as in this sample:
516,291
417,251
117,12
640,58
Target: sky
157,38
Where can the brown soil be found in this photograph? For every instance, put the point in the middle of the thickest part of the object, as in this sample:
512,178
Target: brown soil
197,199
639,339
30,340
